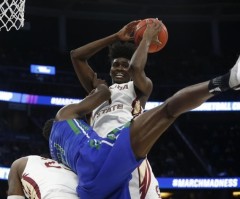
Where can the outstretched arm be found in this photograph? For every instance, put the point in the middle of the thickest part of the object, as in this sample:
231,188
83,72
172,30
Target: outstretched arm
14,178
87,105
81,55
139,59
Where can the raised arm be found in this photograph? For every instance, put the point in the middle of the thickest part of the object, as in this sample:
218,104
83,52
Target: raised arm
139,59
87,105
14,178
81,55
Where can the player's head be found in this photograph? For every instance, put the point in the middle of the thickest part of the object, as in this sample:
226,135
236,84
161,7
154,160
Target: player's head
47,128
120,54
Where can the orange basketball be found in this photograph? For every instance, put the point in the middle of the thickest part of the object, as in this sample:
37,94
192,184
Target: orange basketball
162,37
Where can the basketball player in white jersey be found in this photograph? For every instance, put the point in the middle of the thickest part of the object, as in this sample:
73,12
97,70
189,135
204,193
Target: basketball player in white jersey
41,178
130,91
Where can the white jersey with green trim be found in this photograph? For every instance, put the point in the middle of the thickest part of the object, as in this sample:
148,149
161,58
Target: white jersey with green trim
120,109
45,178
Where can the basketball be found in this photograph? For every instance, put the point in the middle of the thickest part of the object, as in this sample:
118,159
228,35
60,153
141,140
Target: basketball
162,37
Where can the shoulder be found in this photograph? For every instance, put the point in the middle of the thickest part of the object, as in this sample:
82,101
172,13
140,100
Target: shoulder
18,166
20,161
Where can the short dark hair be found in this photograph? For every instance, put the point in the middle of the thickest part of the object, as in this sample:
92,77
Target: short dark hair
121,49
47,128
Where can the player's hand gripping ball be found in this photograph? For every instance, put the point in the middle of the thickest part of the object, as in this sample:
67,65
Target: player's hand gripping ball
162,36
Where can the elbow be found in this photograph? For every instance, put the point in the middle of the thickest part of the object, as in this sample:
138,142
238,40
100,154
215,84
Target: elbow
76,55
105,92
108,94
73,54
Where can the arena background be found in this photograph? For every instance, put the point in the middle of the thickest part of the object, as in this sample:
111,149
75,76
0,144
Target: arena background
203,43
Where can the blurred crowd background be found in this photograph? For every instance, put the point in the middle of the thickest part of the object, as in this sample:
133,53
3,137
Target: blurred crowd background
203,43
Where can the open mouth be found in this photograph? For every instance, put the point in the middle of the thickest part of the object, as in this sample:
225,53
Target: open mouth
119,75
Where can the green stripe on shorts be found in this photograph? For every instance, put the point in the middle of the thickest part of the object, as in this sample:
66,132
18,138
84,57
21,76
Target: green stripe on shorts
111,135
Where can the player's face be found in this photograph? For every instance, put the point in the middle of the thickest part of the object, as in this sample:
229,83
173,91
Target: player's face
119,70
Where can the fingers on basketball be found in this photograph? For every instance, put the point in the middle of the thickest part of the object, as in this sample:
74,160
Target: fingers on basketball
157,44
